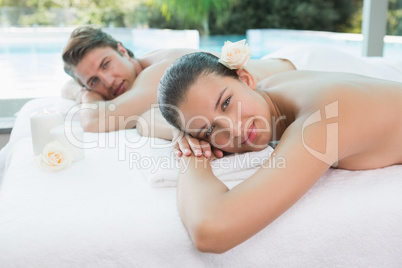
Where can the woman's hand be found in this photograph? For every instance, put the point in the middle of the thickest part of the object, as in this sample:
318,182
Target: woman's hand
184,144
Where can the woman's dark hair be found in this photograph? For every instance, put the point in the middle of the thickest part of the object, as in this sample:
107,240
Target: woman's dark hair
180,76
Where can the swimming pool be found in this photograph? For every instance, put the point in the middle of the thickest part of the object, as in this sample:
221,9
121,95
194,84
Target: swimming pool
31,64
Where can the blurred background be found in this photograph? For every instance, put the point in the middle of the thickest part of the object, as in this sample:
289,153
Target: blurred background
33,33
209,17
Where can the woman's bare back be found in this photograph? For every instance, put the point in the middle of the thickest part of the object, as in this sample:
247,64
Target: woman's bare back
364,115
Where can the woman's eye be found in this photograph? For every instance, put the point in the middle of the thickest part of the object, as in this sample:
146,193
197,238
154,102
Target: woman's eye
225,104
106,64
209,132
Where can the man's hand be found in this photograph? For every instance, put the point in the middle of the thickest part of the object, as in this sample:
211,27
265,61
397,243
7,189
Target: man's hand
71,90
80,94
186,145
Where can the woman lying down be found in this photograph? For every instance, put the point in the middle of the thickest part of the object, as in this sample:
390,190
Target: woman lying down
321,120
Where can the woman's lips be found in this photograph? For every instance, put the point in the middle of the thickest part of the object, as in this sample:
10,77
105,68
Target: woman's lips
252,135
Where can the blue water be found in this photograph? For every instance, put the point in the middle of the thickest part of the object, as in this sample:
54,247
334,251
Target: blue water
35,69
211,43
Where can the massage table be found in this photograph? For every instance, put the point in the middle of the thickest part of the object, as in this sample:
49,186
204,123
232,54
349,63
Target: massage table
117,208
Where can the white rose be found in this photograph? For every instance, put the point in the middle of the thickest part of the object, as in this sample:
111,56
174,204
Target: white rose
235,55
55,157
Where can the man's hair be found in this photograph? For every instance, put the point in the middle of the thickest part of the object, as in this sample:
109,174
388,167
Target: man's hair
180,76
83,40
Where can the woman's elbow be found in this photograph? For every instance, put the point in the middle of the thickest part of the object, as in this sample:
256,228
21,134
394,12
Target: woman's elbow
209,237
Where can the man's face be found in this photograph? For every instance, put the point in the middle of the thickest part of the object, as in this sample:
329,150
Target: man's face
107,71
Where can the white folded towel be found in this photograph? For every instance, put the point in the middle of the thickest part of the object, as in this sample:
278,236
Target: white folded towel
161,168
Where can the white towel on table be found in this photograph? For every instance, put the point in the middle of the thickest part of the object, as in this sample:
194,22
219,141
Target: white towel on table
101,212
161,168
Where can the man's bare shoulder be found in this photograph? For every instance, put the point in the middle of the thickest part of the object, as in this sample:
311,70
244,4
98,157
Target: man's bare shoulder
159,55
154,66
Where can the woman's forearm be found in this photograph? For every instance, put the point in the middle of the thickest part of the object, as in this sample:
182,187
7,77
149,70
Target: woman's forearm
200,195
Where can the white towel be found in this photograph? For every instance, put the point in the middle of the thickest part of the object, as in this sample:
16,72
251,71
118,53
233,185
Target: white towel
327,59
160,167
101,212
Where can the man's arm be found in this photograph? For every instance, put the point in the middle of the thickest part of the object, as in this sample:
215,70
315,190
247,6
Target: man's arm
71,90
88,100
153,125
98,115
91,103
124,111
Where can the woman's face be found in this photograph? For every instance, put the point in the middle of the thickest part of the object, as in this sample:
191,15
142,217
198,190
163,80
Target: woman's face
227,112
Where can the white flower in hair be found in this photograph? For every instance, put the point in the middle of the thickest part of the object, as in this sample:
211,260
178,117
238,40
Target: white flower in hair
235,55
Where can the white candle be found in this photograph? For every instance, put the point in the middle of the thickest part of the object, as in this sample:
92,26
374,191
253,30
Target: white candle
41,123
70,137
